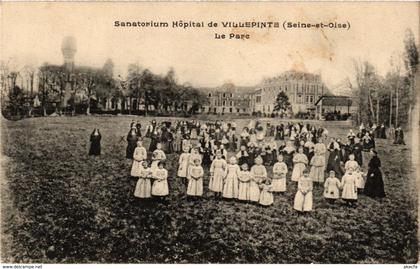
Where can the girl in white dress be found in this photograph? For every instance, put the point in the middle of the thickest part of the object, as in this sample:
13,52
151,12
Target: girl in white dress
195,179
217,174
140,155
195,154
259,173
351,164
244,181
300,161
223,151
348,182
332,187
266,195
160,186
186,143
143,186
360,180
231,188
184,161
157,156
303,198
279,175
318,162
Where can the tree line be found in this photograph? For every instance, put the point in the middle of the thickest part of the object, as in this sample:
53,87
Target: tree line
388,99
86,88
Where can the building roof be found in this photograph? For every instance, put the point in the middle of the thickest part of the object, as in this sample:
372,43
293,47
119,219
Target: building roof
335,100
294,75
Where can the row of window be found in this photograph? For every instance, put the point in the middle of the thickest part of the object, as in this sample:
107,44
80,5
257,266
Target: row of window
222,103
224,109
304,88
302,99
229,103
224,95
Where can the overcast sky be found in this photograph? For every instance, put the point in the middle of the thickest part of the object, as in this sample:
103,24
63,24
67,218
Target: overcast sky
33,32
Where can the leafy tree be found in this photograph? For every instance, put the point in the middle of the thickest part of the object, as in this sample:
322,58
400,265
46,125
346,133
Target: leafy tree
411,60
16,101
282,103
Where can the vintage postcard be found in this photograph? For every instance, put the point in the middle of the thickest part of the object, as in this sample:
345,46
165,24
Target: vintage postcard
209,132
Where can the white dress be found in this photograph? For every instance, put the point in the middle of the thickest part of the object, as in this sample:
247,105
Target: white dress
266,196
360,181
140,154
300,161
143,186
158,155
184,161
244,181
351,165
259,173
160,184
231,188
279,177
218,168
303,197
349,187
195,181
318,163
332,187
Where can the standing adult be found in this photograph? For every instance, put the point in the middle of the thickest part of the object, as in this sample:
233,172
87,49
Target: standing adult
131,143
95,143
374,186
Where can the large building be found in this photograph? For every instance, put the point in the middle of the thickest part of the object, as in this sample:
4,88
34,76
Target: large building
302,89
228,99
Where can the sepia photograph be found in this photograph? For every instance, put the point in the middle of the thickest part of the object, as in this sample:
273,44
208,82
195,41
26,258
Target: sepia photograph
209,133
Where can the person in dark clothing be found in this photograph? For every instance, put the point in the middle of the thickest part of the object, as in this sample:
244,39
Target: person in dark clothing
335,158
205,151
138,128
95,143
399,136
279,132
131,143
382,132
357,149
374,186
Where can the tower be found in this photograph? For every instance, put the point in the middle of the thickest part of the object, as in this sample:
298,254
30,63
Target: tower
68,48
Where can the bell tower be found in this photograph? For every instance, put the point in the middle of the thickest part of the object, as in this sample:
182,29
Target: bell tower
69,49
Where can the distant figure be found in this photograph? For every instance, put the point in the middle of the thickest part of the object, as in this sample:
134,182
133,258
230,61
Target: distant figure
382,131
95,143
399,136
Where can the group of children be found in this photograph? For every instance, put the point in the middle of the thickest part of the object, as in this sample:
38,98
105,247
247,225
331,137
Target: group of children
242,182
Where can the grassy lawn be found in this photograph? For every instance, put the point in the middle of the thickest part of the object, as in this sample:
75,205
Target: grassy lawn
61,206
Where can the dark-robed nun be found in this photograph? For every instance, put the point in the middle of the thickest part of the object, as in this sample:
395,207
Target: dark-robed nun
131,143
335,158
95,143
374,186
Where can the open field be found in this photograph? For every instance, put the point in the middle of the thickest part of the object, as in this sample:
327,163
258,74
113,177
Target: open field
61,206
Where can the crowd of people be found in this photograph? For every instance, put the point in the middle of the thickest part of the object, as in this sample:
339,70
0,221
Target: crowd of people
237,160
